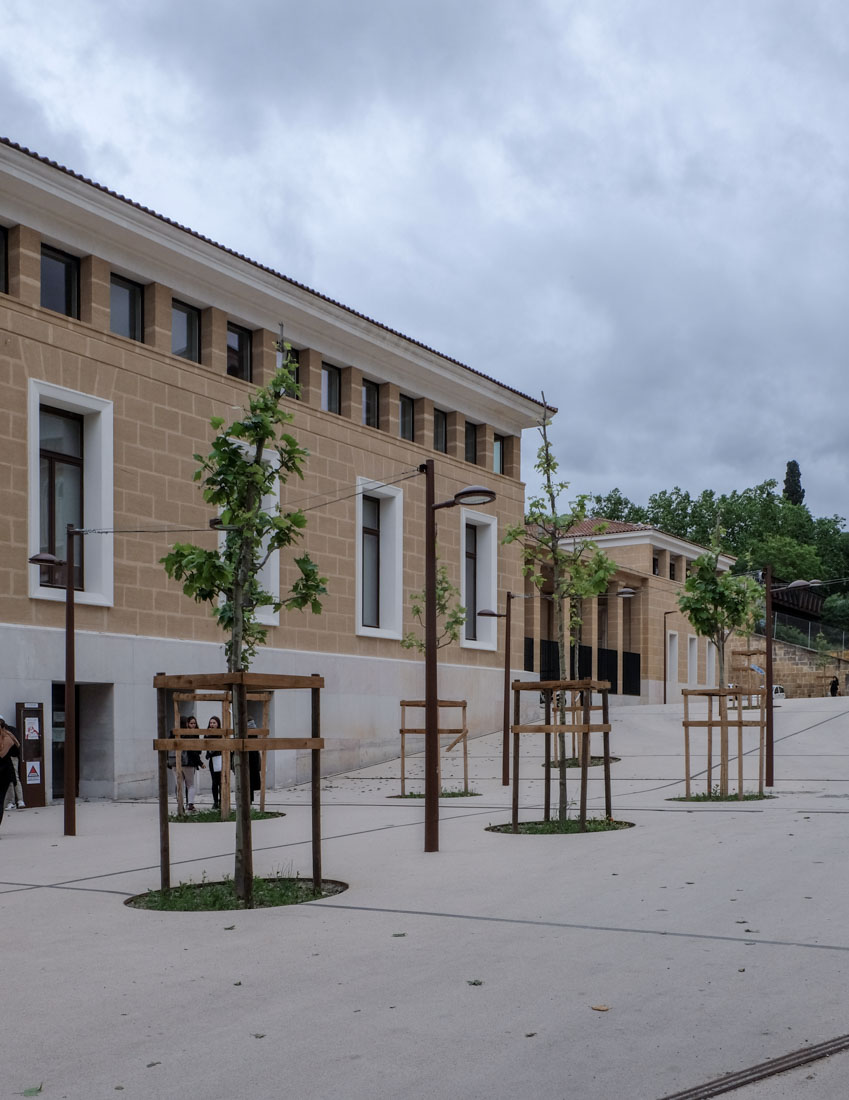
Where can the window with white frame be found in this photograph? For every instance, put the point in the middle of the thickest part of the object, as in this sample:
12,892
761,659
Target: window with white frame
692,660
710,665
479,577
379,560
48,408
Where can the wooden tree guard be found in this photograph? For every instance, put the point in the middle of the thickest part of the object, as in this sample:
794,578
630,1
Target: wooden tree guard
225,698
580,705
223,687
459,733
743,676
720,718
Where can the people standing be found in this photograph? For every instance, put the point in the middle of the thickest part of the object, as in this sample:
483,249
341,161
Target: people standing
834,686
190,761
7,742
213,758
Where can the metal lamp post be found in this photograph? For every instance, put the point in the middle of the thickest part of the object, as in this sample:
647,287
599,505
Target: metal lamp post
505,744
472,495
70,784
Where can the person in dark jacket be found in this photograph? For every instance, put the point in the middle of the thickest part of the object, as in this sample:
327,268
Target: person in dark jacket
213,758
8,741
190,761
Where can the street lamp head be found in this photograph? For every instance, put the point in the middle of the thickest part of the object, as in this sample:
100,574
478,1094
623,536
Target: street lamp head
474,494
44,558
488,614
626,593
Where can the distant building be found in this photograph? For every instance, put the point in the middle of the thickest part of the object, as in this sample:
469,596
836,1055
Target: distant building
627,630
121,334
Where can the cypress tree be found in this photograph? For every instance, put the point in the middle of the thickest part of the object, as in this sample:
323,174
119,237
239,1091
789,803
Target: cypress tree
793,490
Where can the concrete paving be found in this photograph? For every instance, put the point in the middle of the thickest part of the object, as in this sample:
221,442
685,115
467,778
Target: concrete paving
713,936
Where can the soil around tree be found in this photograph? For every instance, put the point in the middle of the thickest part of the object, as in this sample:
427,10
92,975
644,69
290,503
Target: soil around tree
207,816
207,897
574,762
555,827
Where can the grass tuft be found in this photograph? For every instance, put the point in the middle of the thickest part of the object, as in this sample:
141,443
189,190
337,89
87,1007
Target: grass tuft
571,825
206,897
203,816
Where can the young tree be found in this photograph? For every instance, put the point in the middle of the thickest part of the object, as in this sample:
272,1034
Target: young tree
239,476
556,549
718,604
449,613
793,490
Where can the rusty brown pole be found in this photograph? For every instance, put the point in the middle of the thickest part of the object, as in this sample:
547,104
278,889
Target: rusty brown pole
505,744
516,736
585,753
315,732
431,691
162,760
770,741
70,690
547,802
605,717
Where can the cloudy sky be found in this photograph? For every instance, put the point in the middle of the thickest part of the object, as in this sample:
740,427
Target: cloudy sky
639,207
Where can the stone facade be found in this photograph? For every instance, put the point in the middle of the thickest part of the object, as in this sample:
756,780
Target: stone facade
145,412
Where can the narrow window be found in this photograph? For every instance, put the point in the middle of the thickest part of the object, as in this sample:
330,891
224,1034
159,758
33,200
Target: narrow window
371,561
408,409
60,490
440,431
471,442
125,300
672,570
185,331
4,261
655,567
60,282
239,352
331,388
371,404
471,593
498,454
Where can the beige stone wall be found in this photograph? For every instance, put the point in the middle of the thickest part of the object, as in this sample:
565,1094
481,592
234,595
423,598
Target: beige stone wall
162,408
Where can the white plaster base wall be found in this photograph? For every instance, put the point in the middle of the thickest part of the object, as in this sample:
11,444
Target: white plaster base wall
360,712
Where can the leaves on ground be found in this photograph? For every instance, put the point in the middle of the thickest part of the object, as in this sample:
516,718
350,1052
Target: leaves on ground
34,1091
600,1008
473,981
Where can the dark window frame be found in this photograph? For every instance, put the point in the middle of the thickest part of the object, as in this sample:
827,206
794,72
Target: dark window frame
470,596
136,319
370,537
371,404
192,350
440,431
407,417
471,450
498,448
71,265
53,576
240,359
4,260
331,388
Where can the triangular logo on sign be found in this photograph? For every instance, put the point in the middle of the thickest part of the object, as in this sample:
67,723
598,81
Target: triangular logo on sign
33,770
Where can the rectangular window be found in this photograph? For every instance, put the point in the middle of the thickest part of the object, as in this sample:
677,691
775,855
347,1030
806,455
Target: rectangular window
331,388
185,331
408,414
371,404
440,431
470,596
672,570
4,261
73,432
61,491
471,442
239,352
60,282
371,561
655,567
379,559
498,454
125,301
479,576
